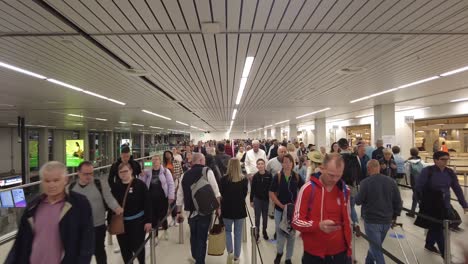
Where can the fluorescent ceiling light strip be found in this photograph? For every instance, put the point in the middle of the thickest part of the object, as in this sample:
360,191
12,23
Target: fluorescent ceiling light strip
455,71
282,122
194,127
242,84
140,125
158,115
65,85
182,123
95,94
234,114
101,119
232,122
155,127
321,110
459,100
76,115
360,116
14,68
122,122
268,126
418,82
247,67
115,101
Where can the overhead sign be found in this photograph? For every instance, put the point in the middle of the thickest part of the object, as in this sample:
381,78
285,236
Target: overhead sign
74,152
6,182
409,119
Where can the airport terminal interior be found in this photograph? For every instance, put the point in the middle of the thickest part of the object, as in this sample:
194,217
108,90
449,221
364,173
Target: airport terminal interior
82,79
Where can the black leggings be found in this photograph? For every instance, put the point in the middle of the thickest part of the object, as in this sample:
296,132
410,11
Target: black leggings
132,239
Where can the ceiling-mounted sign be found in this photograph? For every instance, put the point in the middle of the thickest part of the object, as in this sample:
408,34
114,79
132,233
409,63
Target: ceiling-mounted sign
409,119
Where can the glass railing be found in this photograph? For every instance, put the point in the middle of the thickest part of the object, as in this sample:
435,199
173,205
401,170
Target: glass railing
10,217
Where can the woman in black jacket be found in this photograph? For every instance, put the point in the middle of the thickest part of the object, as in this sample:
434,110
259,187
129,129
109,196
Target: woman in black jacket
259,197
233,189
137,212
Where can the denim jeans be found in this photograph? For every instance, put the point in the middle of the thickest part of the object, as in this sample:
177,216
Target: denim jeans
352,200
238,227
377,234
199,226
436,235
414,203
281,237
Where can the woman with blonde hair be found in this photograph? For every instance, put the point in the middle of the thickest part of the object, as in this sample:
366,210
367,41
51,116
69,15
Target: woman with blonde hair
233,189
293,152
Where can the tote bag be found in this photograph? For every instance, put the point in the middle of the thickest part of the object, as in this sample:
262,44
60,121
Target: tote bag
116,226
217,239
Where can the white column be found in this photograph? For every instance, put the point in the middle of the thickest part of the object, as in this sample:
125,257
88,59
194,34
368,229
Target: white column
292,132
384,121
269,134
58,145
43,146
142,144
84,135
320,133
278,134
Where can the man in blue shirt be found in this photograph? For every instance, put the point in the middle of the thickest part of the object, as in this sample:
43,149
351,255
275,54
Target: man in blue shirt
433,192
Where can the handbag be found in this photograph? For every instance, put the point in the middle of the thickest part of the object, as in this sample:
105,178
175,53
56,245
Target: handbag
116,225
217,239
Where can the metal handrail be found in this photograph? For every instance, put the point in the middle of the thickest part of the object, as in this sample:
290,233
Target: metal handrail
68,175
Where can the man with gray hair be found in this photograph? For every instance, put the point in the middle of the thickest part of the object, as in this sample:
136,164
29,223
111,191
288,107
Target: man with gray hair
63,223
378,153
199,223
251,158
381,204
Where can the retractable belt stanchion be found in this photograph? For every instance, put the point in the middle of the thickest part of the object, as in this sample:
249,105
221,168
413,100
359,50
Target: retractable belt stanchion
253,231
244,232
153,246
447,254
353,246
181,233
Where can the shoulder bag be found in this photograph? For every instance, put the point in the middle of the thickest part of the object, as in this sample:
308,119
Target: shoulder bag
116,226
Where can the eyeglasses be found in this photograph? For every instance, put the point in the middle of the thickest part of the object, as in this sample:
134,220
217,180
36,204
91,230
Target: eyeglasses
123,171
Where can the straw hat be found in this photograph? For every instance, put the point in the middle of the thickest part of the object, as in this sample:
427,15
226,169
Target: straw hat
316,157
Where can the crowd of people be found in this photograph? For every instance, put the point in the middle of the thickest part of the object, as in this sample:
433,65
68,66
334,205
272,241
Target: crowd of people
304,189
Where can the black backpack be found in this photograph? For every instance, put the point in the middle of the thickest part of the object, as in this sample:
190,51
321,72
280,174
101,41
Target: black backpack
352,169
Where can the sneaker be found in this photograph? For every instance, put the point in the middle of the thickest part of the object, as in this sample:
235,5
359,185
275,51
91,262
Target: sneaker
236,261
357,230
288,261
230,258
117,249
274,236
412,215
265,235
432,249
191,260
278,259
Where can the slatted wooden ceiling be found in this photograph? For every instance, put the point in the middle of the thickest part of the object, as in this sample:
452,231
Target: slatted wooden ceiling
298,47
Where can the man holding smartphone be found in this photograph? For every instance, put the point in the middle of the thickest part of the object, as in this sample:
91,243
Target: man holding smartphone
322,216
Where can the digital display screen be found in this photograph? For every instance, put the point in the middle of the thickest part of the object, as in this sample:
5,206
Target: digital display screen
7,199
148,164
11,181
18,197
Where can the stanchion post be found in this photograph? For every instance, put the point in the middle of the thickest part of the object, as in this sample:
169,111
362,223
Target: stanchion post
109,239
253,232
153,246
244,232
181,233
447,252
464,182
353,247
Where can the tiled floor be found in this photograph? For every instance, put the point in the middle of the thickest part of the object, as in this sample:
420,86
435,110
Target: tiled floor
172,252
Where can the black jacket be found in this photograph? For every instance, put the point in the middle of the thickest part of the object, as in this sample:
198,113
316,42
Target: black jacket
233,201
203,150
378,153
261,186
222,160
114,170
76,232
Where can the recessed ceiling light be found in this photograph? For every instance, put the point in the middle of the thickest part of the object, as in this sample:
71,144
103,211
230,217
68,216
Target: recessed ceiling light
268,126
122,122
312,113
234,114
455,71
459,100
76,115
158,115
65,85
95,94
101,119
155,127
140,125
282,122
182,123
14,68
360,116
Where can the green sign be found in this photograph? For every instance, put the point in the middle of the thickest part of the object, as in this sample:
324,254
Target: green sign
33,154
148,164
74,152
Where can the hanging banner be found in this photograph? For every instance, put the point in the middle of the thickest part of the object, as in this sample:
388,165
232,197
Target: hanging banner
74,152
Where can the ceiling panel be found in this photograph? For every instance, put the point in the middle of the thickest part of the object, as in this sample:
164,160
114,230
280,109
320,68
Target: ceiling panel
298,46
